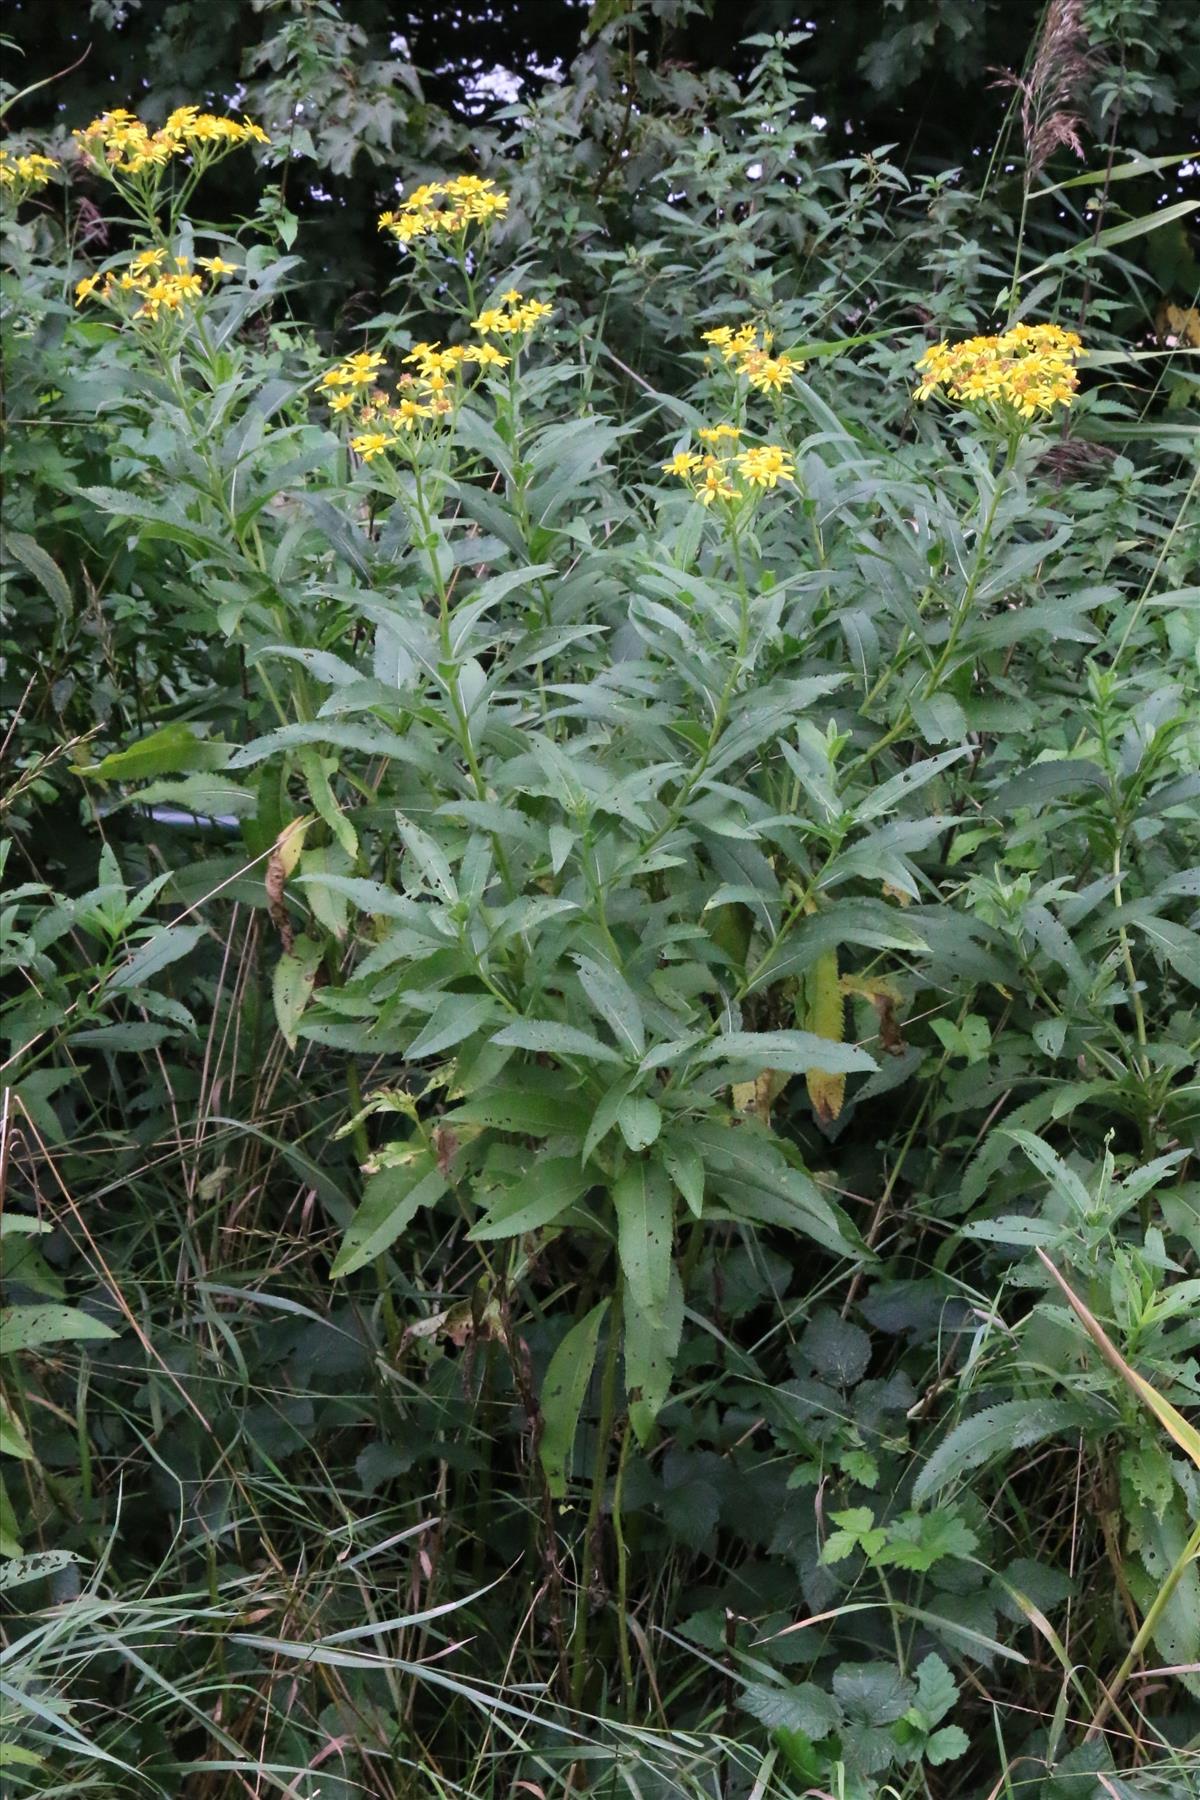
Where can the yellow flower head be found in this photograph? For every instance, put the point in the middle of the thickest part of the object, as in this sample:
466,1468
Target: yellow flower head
716,434
21,176
765,465
444,209
1027,370
217,266
520,320
715,485
340,403
119,143
408,413
370,444
684,463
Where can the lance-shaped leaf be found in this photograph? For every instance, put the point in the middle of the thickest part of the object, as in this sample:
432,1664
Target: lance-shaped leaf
563,1395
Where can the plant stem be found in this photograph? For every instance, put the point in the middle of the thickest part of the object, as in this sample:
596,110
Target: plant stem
604,1431
1162,1600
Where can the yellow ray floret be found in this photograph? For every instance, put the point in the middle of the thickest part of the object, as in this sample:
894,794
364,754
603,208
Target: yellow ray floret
1027,370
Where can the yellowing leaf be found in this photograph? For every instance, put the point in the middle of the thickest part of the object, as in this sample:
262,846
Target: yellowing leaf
826,1017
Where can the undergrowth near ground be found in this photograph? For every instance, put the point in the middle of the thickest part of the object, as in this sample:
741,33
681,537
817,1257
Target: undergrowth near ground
601,976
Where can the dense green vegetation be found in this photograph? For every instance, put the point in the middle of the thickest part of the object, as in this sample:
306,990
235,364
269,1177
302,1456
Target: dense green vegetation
601,942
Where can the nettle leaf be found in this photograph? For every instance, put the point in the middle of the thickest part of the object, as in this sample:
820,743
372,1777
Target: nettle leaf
836,1348
873,1693
562,1396
804,1707
919,1540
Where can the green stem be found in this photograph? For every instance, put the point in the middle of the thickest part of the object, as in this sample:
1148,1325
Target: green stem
961,615
604,1430
1149,1626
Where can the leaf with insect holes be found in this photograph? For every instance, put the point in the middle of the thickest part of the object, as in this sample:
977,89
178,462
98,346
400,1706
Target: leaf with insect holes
562,1396
391,1200
31,1327
643,1204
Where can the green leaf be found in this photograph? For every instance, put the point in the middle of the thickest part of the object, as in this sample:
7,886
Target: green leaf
1062,1179
169,751
538,1198
872,1693
429,858
391,1199
856,1530
34,1567
996,1431
645,1216
640,1121
792,1052
13,1441
525,1110
547,1037
804,1707
454,1018
563,1394
129,1035
156,954
42,567
685,1166
615,1001
29,1327
292,985
947,1745
937,1689
651,1346
1176,944
887,797
1115,234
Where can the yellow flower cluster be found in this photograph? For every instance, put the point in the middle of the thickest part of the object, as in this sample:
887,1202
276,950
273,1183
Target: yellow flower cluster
430,392
119,143
514,317
436,383
445,209
21,176
711,473
1026,370
147,287
751,358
